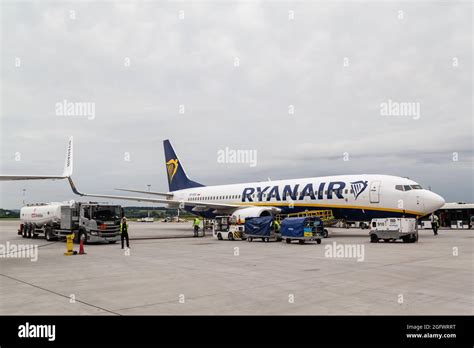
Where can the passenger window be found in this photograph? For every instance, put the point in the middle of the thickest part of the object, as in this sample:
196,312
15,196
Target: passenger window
399,187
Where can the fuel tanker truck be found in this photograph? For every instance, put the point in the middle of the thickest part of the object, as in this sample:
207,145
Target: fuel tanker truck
96,222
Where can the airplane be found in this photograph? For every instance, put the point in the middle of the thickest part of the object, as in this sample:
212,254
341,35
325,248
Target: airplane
350,197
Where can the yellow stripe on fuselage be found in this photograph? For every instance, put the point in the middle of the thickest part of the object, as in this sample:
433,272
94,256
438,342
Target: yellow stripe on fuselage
275,204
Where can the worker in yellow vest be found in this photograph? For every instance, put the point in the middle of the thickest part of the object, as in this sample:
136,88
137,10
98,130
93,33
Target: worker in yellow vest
196,224
277,226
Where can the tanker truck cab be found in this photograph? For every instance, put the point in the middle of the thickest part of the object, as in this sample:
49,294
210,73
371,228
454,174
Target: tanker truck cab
99,222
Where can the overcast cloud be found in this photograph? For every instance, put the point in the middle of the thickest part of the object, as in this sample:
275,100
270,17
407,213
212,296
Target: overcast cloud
289,53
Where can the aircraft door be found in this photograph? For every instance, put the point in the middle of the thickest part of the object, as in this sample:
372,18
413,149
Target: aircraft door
374,193
420,204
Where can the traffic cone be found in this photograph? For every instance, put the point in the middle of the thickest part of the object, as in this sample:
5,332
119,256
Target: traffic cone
81,247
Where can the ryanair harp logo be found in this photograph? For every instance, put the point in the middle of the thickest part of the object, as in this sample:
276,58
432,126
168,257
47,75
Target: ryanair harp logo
358,187
172,168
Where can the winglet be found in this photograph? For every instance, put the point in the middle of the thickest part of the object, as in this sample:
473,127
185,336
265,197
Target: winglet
68,163
73,187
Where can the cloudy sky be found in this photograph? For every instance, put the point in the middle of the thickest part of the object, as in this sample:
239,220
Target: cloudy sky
301,83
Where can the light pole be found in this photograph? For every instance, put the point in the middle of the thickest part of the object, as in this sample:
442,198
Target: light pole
24,193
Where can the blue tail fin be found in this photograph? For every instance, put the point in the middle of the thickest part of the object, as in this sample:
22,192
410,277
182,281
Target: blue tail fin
177,179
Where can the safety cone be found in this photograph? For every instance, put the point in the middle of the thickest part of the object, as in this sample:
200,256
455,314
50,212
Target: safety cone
81,246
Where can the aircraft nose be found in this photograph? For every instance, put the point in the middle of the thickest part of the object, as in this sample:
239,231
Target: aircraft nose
433,202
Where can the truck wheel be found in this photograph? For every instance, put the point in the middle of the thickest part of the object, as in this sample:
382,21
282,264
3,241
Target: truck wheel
219,236
112,241
288,240
47,234
23,231
30,230
325,233
266,239
301,241
249,239
318,241
386,240
230,236
374,238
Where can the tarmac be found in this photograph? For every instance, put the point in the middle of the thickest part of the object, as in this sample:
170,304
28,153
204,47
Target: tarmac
168,272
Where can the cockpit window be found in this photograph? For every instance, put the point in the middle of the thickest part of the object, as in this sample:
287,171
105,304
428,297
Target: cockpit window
399,187
416,187
407,187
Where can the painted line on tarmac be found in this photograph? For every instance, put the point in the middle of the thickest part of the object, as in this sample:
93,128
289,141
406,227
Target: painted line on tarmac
57,293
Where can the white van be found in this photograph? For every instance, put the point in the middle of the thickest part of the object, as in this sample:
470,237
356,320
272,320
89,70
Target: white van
390,229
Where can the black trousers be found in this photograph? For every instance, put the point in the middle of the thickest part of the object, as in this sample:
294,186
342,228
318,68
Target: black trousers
196,230
124,235
434,225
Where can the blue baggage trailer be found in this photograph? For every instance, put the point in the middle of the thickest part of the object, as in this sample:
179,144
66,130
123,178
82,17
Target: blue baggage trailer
302,229
261,227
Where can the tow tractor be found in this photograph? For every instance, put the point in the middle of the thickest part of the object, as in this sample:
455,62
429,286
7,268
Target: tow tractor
228,227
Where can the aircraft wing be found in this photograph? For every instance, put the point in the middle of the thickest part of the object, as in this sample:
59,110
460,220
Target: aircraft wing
30,177
66,172
210,205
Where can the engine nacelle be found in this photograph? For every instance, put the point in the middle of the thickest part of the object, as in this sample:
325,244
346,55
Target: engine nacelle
243,213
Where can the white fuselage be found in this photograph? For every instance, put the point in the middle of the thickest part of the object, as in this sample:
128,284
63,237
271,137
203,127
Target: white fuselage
353,197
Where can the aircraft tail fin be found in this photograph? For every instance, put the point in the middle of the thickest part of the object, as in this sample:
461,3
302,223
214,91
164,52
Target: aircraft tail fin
177,178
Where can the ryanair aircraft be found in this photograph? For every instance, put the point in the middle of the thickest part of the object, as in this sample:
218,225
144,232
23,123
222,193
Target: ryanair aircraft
350,197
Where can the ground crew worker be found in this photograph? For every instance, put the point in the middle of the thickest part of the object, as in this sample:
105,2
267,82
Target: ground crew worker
196,224
434,223
277,226
124,231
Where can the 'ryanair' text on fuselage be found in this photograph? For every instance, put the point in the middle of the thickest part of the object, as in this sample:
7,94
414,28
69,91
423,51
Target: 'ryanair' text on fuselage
334,189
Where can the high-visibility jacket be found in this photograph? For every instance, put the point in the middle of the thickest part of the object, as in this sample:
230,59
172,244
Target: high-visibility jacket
121,227
277,226
197,222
